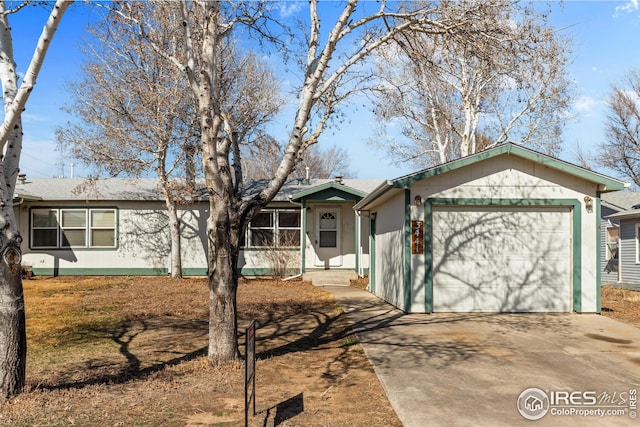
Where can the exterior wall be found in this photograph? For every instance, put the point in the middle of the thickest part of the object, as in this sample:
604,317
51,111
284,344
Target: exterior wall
313,259
512,177
389,251
143,245
630,268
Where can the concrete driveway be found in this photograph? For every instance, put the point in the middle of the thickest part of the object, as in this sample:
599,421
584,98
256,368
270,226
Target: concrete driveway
470,369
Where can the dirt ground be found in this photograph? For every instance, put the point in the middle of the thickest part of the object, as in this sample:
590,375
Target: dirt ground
621,304
130,351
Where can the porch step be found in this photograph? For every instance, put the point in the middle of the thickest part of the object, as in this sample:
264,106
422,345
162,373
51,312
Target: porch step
330,277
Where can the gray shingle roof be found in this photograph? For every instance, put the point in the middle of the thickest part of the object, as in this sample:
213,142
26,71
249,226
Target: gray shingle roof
113,189
621,200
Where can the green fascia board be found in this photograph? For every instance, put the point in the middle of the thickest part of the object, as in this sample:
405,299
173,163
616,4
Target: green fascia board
576,252
63,271
330,191
609,184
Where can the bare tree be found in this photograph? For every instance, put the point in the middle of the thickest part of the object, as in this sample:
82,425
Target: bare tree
136,117
137,113
620,152
455,95
13,338
327,61
261,162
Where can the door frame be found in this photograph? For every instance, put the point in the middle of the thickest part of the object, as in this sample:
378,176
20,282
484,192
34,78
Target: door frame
335,258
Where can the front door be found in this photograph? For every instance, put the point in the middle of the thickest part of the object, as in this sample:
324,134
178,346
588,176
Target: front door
328,250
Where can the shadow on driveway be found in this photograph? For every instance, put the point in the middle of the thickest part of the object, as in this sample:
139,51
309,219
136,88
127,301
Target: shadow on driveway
459,369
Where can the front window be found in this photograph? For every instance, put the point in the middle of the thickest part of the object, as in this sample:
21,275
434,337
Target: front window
274,228
73,228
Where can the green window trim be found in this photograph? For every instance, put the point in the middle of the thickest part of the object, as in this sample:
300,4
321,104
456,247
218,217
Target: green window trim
576,212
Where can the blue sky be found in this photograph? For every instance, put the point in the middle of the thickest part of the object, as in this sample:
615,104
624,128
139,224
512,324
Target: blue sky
605,48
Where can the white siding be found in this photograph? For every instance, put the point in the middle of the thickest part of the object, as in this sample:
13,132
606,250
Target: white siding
143,240
389,274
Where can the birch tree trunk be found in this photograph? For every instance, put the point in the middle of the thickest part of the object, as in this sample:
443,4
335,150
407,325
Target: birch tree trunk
13,338
176,240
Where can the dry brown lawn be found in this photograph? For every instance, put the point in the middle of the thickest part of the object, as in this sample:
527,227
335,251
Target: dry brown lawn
131,351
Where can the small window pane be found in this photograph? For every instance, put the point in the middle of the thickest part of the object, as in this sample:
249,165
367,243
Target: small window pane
328,221
263,219
45,238
328,239
289,219
74,238
103,238
289,238
45,218
74,218
104,219
261,237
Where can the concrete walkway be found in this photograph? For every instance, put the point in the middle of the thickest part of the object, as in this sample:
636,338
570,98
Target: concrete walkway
469,369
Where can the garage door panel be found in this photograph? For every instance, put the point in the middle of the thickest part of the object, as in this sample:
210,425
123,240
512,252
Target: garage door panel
511,272
501,258
498,299
519,246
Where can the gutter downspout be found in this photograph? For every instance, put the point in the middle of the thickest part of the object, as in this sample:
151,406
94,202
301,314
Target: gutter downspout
301,206
361,215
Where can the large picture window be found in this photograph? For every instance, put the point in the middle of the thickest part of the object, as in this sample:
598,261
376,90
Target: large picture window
73,228
274,228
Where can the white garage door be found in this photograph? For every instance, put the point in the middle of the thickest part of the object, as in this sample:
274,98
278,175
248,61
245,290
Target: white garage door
501,259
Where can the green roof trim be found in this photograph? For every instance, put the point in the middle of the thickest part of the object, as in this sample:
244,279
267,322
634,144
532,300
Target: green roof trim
330,191
509,148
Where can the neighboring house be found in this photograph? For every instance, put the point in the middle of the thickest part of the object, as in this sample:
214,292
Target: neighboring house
119,227
505,230
620,239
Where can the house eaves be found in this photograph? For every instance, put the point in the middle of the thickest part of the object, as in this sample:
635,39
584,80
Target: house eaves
630,214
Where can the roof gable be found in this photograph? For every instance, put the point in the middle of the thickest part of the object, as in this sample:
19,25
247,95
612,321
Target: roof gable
332,191
604,182
607,183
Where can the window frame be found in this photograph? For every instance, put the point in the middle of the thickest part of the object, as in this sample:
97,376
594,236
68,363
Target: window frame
88,228
275,229
608,250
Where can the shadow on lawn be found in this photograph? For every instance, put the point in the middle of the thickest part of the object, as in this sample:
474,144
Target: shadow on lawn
135,338
150,345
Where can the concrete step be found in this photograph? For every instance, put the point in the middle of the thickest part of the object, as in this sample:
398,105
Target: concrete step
330,277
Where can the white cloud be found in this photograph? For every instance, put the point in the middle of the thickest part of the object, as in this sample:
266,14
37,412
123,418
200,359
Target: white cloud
288,9
585,105
630,6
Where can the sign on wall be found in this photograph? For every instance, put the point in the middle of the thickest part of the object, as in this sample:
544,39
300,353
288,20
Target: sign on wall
417,237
